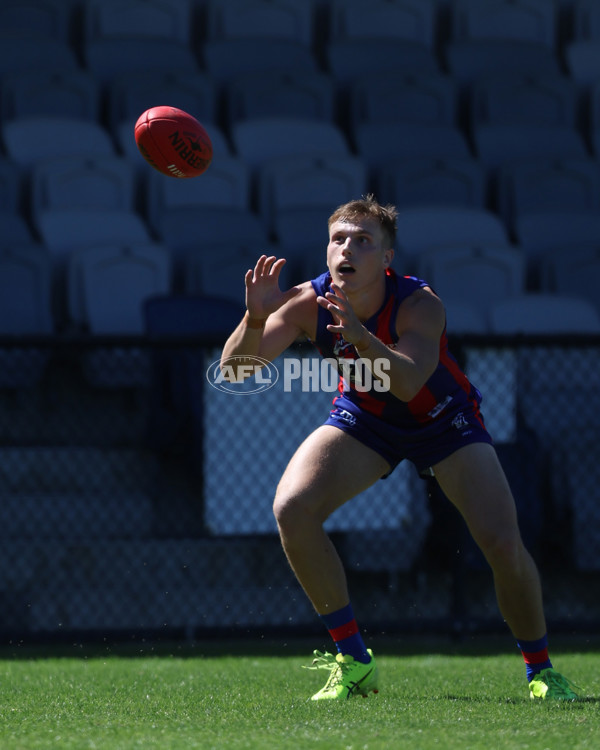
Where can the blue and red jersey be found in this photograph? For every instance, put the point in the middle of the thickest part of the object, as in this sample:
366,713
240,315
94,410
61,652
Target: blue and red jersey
447,392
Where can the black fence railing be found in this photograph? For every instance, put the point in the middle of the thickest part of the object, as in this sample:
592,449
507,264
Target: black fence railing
136,495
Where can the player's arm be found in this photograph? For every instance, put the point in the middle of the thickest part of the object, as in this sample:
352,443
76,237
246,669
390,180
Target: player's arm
273,319
413,358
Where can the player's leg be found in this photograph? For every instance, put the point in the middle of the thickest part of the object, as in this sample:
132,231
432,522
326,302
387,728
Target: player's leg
473,479
328,469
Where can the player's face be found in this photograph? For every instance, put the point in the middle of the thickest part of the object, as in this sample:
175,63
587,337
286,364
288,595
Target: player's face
356,254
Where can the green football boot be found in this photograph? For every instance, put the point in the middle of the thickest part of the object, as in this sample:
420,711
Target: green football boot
551,685
347,677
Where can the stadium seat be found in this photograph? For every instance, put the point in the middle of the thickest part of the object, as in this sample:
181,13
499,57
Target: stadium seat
21,53
468,61
225,185
108,285
463,317
191,229
31,139
546,230
25,288
130,94
428,98
544,313
66,229
109,58
573,270
426,227
219,270
543,100
11,182
260,19
98,183
121,19
450,181
58,93
225,59
498,145
15,229
258,140
283,93
39,18
551,184
527,20
298,182
25,309
412,20
346,59
586,20
481,274
582,58
380,142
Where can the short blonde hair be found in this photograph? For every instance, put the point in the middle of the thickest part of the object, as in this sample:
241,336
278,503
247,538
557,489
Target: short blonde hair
369,207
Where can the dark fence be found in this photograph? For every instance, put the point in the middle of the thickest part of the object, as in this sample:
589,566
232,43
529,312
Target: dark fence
136,497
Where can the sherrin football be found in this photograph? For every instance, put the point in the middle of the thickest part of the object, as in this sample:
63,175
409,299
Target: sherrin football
173,142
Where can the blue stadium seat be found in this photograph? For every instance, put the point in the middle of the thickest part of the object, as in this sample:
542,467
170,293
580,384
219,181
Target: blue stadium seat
39,18
423,228
58,93
430,180
544,313
225,59
544,100
260,19
225,185
308,182
122,19
546,230
260,139
130,94
286,93
582,58
98,183
498,145
380,142
573,270
25,288
21,53
526,20
15,229
480,274
586,20
551,184
463,317
28,140
404,97
412,20
109,284
11,183
346,59
468,61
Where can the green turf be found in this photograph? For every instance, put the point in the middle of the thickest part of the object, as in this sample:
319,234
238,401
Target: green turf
460,698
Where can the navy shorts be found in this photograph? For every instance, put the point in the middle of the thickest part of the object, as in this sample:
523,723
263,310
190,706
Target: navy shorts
424,445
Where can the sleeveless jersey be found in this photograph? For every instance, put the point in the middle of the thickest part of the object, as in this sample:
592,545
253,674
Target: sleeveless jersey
447,392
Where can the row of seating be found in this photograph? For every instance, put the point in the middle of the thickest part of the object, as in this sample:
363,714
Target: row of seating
99,286
182,20
393,96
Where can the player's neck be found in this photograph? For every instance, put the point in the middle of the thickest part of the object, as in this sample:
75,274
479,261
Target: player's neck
368,300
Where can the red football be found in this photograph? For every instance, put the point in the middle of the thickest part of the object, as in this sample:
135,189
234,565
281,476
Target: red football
173,142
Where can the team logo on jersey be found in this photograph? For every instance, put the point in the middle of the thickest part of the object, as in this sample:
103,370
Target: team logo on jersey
459,421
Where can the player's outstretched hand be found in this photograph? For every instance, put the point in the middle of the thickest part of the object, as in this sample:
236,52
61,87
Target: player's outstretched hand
263,295
346,320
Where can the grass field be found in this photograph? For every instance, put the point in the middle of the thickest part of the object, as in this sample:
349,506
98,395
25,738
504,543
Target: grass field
229,698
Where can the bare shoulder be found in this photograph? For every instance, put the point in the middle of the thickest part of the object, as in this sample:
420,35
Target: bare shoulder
421,311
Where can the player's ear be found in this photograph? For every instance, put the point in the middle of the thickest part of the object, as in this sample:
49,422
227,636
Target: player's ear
388,257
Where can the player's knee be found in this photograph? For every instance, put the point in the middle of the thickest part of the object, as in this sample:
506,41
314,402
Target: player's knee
290,513
503,550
